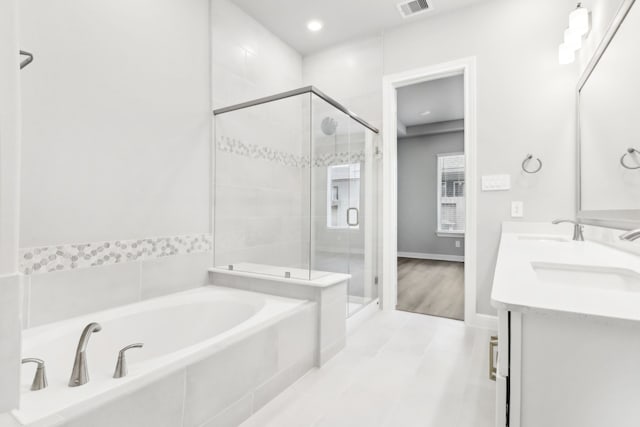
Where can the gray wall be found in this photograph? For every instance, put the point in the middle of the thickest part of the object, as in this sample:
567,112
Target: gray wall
417,193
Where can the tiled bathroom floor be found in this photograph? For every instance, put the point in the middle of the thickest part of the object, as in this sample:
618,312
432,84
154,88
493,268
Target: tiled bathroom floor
398,369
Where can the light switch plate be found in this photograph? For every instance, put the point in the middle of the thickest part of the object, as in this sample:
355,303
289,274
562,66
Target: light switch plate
457,243
517,209
496,182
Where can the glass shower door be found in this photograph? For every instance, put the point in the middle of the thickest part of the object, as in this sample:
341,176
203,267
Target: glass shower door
330,199
343,200
360,218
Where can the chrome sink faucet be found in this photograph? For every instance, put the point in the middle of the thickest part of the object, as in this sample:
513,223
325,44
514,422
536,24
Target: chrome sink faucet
80,372
577,228
631,236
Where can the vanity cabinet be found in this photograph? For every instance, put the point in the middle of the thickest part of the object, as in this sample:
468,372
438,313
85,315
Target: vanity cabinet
567,370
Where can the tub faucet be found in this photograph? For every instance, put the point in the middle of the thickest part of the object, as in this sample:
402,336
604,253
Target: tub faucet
40,379
630,236
80,373
577,228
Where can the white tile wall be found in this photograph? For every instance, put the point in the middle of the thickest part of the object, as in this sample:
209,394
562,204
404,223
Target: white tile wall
248,61
258,194
221,380
50,297
118,149
116,120
159,405
331,300
60,295
10,294
174,274
352,74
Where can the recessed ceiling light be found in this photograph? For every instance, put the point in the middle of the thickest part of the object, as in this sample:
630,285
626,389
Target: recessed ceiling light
314,25
425,113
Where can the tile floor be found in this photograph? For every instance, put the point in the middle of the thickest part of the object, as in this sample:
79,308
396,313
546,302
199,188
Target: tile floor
399,369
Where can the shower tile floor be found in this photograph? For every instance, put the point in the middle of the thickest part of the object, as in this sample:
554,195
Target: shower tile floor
399,369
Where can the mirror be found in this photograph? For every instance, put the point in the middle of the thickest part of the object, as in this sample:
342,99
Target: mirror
609,128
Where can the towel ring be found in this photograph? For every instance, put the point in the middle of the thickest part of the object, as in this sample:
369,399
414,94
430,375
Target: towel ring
527,160
630,151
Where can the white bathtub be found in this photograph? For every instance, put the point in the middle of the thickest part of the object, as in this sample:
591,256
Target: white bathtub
177,330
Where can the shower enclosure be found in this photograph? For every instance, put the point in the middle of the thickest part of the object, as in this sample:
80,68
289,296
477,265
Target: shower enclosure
295,191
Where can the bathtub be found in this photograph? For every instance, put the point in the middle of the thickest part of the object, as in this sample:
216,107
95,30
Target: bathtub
178,331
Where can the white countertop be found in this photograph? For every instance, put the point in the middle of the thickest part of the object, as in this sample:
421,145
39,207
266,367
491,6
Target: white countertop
516,285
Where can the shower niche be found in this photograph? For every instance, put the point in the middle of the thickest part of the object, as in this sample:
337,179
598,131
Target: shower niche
295,191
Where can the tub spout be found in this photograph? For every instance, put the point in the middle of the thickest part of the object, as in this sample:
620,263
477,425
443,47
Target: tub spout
80,372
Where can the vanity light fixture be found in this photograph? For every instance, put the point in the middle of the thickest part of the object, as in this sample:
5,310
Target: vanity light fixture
578,28
314,25
572,39
579,20
566,55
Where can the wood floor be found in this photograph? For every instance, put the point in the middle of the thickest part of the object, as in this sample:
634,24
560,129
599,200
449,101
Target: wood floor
431,287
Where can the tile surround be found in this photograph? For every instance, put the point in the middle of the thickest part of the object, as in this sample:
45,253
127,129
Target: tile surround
63,294
240,148
56,258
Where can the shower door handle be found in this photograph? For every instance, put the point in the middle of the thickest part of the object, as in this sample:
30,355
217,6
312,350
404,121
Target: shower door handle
353,224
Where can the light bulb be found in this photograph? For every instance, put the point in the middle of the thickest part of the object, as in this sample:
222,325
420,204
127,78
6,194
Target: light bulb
314,25
566,55
579,20
572,39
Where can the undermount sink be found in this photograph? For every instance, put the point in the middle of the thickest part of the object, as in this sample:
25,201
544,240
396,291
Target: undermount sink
544,238
595,277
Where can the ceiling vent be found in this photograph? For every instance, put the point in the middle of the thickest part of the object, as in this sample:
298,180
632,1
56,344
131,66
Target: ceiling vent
413,7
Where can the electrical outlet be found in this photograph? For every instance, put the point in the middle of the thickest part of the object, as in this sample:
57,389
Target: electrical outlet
517,209
457,243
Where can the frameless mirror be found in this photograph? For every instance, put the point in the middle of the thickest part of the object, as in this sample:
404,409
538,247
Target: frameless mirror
609,127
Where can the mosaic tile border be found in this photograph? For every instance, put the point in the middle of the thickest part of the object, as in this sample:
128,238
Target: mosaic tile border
49,259
253,151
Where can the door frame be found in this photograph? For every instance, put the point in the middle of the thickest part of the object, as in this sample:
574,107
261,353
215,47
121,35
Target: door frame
390,84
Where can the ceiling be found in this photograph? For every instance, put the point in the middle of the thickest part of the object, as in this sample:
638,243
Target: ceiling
343,19
444,98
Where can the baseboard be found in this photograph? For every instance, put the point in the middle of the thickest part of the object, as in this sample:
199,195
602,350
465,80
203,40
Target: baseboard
361,316
356,299
482,321
436,257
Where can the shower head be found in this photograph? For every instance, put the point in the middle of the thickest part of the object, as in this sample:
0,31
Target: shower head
329,126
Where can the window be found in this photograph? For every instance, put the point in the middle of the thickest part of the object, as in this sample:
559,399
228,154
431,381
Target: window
451,202
343,195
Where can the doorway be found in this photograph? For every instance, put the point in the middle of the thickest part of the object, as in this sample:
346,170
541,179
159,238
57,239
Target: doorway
431,197
391,84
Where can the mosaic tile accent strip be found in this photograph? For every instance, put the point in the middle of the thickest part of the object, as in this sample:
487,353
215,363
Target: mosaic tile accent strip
331,159
234,146
73,256
253,151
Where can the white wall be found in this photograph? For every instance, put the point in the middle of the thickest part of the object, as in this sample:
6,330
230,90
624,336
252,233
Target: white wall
525,105
9,204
